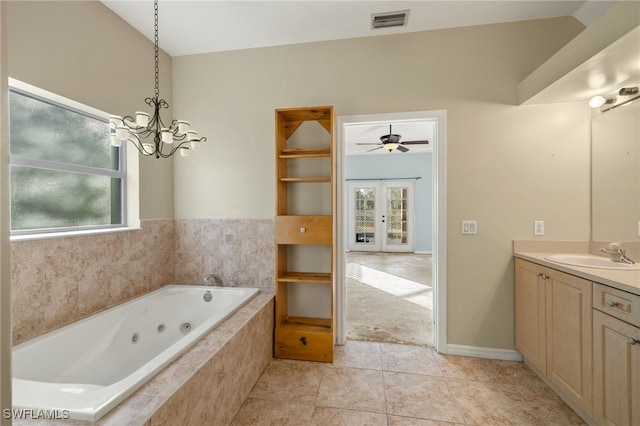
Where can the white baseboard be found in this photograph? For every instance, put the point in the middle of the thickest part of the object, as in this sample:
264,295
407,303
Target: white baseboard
479,352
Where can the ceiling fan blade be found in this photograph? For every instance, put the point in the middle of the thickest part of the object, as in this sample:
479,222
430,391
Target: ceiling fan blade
374,149
402,148
415,143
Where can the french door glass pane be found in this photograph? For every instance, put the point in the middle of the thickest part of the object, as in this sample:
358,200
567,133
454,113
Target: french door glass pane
365,215
396,219
80,199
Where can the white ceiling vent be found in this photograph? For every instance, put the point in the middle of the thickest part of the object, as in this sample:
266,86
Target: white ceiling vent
389,19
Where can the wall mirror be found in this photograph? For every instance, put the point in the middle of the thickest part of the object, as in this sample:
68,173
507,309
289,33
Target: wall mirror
615,174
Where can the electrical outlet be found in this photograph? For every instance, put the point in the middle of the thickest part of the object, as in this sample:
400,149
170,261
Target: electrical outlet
469,227
538,227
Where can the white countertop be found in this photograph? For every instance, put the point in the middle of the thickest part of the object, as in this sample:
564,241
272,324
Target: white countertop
620,279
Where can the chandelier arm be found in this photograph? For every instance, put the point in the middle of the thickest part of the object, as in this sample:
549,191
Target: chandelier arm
139,146
182,145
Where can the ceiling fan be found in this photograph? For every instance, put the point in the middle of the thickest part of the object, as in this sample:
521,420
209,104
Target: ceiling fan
392,141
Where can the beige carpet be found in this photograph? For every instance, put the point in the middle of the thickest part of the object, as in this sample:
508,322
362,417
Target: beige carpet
389,298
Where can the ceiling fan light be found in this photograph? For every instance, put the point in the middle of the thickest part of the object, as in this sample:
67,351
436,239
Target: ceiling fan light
390,146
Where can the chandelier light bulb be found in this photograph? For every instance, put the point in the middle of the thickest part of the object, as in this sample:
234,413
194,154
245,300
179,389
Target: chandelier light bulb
183,127
167,136
148,148
142,119
114,140
195,144
184,152
116,121
122,133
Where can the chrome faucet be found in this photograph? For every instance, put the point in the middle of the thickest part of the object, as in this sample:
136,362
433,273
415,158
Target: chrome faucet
617,254
213,280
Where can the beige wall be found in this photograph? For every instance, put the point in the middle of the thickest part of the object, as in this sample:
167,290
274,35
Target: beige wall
506,165
98,60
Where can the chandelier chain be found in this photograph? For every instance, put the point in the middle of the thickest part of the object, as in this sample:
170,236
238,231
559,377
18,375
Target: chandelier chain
157,70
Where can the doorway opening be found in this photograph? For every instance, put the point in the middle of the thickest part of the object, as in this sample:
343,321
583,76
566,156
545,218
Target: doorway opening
390,246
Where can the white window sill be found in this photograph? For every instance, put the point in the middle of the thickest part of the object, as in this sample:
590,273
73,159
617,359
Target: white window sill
50,235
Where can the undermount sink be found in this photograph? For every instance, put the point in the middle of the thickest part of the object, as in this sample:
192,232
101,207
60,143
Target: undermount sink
591,261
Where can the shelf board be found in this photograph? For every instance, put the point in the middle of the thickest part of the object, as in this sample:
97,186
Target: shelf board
306,277
318,325
305,153
306,179
306,114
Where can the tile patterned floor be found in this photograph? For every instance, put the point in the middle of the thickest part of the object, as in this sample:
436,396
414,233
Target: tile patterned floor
397,385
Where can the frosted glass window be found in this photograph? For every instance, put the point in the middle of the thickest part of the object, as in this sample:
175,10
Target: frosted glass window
64,172
80,200
46,131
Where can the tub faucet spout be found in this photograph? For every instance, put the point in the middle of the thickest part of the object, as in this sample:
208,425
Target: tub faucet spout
617,254
213,280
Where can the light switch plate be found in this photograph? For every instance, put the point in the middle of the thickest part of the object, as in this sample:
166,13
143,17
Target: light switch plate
469,227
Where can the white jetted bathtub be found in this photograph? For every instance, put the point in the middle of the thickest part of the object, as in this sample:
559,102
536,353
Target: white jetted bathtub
88,367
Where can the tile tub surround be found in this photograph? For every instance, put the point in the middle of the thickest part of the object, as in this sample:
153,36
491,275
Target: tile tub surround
241,251
206,385
60,280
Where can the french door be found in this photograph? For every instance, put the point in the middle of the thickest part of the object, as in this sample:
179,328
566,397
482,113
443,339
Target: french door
380,216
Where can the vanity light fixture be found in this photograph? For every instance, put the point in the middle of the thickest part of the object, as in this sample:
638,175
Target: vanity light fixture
628,91
598,101
148,133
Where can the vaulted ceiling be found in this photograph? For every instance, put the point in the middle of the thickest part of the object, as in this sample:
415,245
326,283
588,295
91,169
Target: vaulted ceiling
191,27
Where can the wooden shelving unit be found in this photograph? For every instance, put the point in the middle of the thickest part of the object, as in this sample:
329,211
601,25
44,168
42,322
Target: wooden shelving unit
304,323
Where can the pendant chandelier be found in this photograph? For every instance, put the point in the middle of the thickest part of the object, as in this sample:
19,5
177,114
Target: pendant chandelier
148,133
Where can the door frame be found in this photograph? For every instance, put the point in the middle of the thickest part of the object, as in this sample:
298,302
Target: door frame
439,220
380,231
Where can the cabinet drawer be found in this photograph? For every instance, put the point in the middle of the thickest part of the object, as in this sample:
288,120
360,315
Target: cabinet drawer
617,303
304,230
302,344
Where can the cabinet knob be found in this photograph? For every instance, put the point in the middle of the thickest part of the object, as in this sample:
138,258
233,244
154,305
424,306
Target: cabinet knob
612,304
303,340
633,341
303,230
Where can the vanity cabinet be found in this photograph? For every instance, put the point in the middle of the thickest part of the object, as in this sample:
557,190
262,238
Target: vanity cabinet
531,336
304,233
616,356
553,328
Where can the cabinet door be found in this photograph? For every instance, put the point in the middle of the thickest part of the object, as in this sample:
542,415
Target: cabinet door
569,337
616,371
530,314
